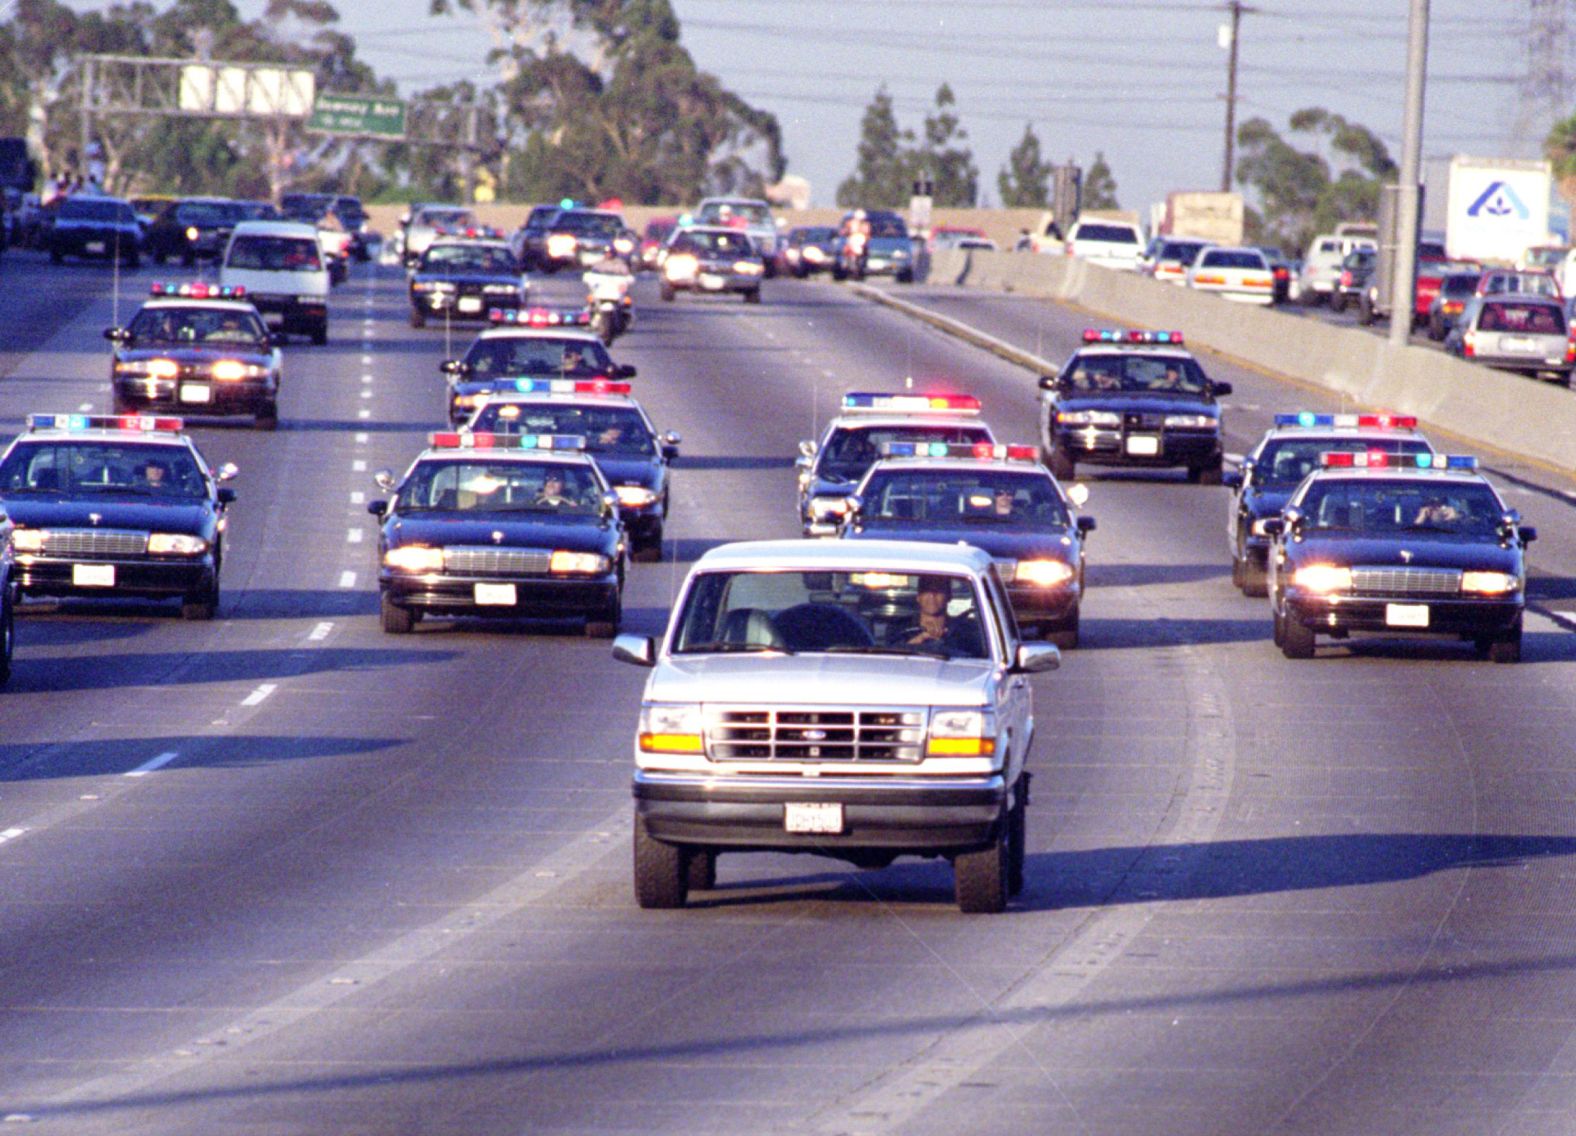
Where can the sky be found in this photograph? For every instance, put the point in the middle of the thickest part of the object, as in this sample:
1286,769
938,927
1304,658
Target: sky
1139,81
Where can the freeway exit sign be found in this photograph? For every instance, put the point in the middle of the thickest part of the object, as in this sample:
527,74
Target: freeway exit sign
352,114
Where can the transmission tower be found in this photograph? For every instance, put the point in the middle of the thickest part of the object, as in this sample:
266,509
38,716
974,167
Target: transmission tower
1545,95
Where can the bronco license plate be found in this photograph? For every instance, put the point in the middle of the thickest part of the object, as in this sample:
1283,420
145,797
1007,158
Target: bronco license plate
495,595
1406,615
196,392
93,575
1143,445
823,817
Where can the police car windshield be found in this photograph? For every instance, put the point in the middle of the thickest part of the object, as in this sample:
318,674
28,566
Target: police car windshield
1463,510
617,431
459,485
937,497
868,612
1286,461
469,258
604,224
720,244
194,325
505,356
87,467
851,450
1137,374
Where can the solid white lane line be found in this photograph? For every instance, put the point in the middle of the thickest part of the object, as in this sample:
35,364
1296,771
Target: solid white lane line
347,579
262,692
151,764
320,632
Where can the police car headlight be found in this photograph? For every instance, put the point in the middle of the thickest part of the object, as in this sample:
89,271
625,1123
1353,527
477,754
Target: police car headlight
671,728
624,245
500,289
1192,421
560,244
132,369
1322,578
1043,573
680,266
748,268
233,370
469,401
414,558
176,544
421,286
961,733
634,495
578,563
27,540
899,254
813,254
1088,418
192,233
1489,583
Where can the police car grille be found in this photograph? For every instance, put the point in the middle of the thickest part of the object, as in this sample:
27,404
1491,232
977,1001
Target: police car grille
1406,581
1137,421
767,734
95,542
482,560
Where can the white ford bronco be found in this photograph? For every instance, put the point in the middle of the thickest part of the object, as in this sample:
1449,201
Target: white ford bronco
854,699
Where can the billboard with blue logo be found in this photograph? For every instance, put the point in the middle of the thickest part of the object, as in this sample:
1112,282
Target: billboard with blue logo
1497,207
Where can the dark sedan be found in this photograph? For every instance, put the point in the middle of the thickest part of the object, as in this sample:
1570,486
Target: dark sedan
193,229
465,280
95,228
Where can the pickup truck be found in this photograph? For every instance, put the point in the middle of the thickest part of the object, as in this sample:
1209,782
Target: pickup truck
854,699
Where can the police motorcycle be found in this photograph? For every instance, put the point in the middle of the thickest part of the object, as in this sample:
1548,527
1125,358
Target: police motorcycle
608,297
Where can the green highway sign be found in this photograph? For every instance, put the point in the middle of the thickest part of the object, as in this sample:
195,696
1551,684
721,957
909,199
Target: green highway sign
353,114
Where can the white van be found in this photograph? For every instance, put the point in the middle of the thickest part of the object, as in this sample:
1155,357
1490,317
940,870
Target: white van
282,267
1321,264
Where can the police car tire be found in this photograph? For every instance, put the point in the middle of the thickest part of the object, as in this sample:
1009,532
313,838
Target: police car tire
979,878
1017,844
396,620
1337,301
1238,573
7,642
1296,640
700,869
1365,311
417,319
661,876
320,335
1436,329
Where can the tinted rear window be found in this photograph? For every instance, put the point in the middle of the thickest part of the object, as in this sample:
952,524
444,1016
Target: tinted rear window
90,209
1228,259
1534,319
287,254
1112,234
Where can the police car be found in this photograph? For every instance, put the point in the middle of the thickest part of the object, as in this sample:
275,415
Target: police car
618,434
1288,452
830,468
1398,545
523,526
465,280
531,343
115,507
200,349
997,498
1132,398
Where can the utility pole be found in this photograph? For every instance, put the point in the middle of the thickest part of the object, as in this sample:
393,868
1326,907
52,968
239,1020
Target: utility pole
1403,284
1228,40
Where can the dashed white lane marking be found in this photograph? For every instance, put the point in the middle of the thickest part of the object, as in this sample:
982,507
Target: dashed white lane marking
153,763
366,360
347,579
366,394
829,374
359,466
353,536
361,438
363,413
320,632
358,498
366,380
262,692
11,834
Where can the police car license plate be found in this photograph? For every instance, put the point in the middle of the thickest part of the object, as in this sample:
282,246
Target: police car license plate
1143,445
93,575
711,280
196,392
495,595
1406,615
813,817
93,246
470,304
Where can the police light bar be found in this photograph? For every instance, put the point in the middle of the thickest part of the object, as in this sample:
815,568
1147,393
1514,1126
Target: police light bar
1130,335
1307,418
566,386
985,450
197,290
458,440
539,317
146,423
874,402
1379,459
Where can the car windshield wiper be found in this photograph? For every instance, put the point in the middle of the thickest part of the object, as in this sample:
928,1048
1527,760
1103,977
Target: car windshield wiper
894,649
726,648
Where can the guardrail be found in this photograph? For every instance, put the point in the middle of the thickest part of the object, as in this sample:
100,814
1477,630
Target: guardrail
1520,416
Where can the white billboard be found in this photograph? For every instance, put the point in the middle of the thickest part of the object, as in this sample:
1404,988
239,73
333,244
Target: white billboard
228,89
1497,207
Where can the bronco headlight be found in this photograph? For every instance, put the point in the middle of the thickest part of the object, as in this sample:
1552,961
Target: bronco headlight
1191,421
578,563
176,544
1088,418
414,558
671,728
1043,573
1489,583
961,733
1323,579
634,496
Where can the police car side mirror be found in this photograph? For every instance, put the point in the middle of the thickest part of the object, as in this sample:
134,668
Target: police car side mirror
609,505
1036,658
1049,382
1085,524
625,371
225,496
277,339
384,480
807,450
1220,389
454,367
116,334
641,650
1527,533
1273,526
227,472
378,508
853,505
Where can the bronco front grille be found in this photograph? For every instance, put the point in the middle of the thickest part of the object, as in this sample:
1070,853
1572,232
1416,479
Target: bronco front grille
1406,581
481,560
95,542
744,733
